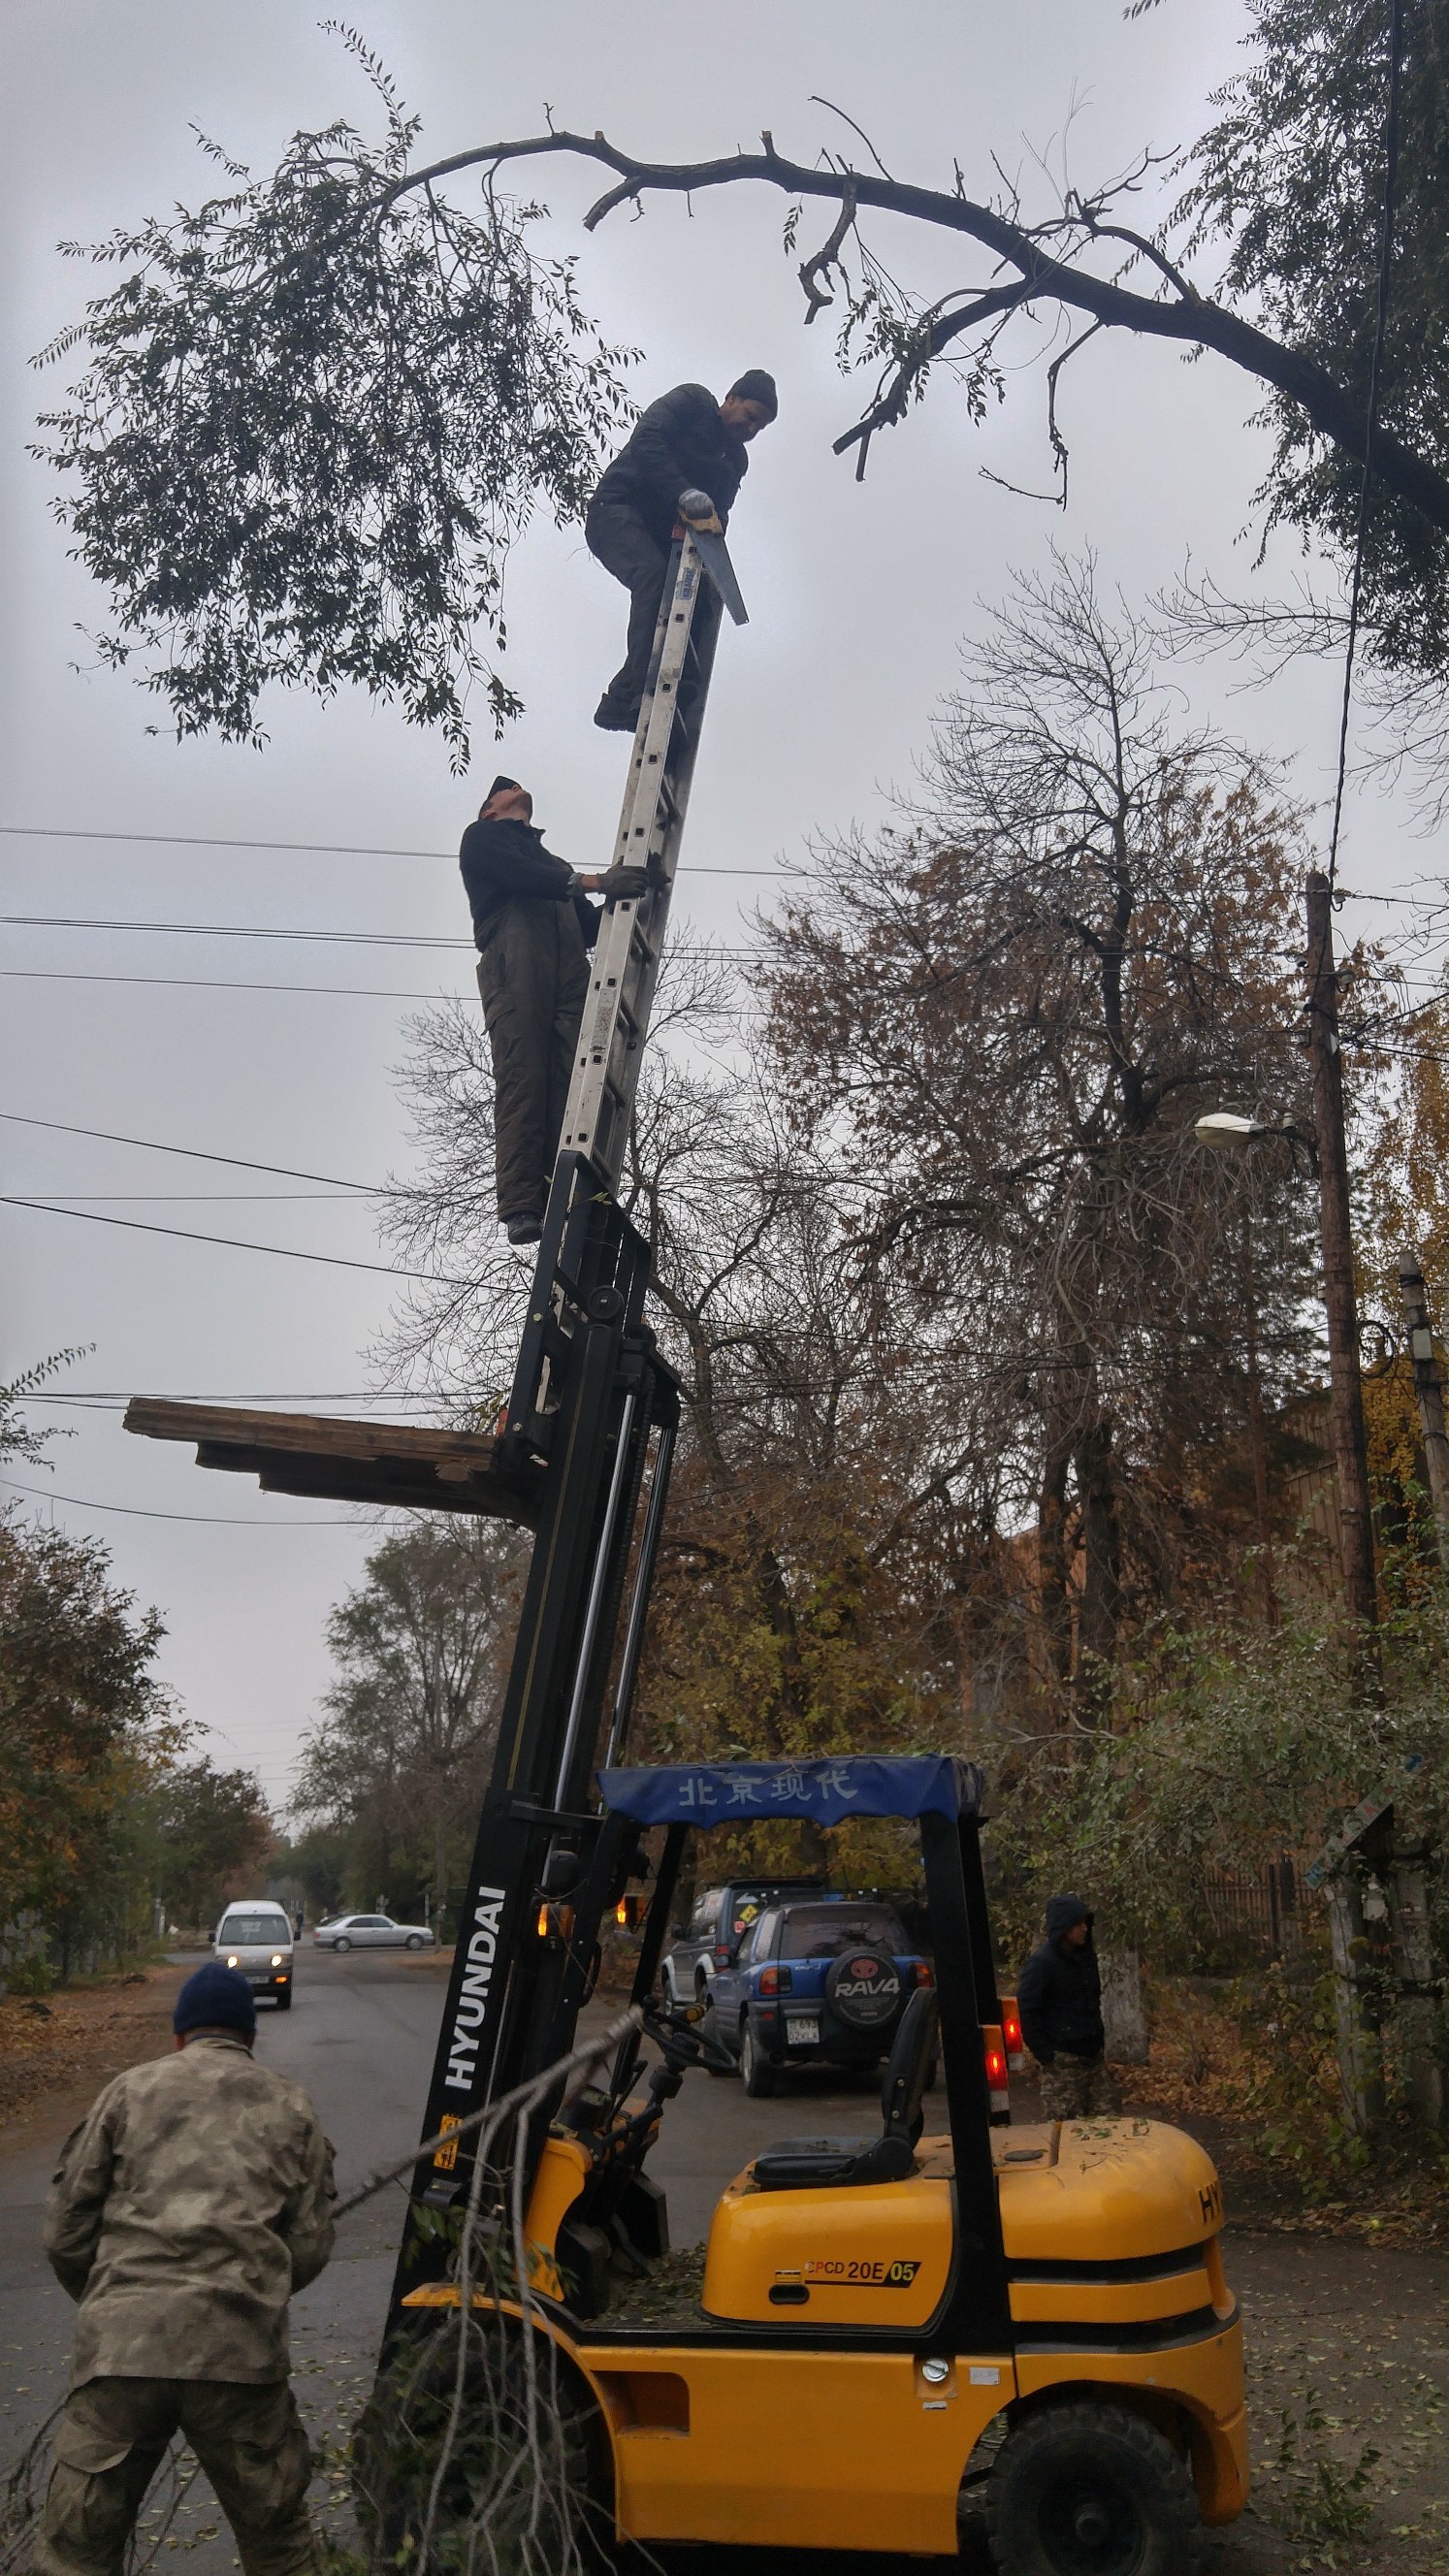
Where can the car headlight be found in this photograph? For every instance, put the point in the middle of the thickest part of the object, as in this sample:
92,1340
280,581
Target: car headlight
232,1960
276,1958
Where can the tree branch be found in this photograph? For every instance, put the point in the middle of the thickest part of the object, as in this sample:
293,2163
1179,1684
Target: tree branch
1195,321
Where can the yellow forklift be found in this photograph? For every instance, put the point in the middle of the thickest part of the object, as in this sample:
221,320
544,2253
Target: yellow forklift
882,2323
885,2324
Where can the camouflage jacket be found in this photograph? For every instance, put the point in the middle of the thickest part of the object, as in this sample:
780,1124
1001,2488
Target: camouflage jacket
191,2202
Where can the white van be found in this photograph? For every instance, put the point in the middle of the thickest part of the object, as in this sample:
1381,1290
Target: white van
255,1936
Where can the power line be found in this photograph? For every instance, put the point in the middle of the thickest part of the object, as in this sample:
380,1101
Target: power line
207,1198
318,849
234,1243
194,1154
231,930
1413,902
107,1398
217,984
856,1179
134,1512
712,950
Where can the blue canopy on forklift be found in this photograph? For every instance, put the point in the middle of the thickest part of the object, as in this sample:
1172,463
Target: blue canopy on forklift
829,1792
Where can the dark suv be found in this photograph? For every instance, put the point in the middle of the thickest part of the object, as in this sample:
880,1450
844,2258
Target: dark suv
822,1983
721,1919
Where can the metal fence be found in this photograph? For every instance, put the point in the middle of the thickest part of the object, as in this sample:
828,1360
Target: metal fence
1256,1913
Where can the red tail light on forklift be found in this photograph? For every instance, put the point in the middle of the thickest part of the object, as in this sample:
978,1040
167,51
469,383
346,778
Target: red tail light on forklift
555,1922
1011,2035
997,2082
629,1913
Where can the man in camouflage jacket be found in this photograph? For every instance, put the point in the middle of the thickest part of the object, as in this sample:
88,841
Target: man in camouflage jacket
190,2203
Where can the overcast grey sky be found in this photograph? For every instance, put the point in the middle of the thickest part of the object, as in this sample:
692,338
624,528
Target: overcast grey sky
859,596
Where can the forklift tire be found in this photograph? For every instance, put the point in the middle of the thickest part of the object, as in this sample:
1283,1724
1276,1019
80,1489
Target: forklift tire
755,2068
1088,2488
395,2452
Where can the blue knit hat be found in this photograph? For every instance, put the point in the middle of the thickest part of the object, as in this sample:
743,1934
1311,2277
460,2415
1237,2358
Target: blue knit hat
215,1998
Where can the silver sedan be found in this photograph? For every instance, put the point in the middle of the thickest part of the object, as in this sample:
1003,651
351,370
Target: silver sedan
372,1932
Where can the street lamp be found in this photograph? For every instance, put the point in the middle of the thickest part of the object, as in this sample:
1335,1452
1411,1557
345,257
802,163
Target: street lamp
1225,1128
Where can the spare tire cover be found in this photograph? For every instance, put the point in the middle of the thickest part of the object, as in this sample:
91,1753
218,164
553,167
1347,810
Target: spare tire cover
864,1989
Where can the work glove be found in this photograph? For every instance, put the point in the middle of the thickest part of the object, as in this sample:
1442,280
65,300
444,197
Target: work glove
624,884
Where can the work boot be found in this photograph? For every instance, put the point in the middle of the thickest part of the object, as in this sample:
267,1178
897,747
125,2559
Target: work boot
611,717
524,1229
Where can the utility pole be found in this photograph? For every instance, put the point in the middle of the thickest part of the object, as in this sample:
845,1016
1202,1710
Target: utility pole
1257,1426
1430,1394
1350,1442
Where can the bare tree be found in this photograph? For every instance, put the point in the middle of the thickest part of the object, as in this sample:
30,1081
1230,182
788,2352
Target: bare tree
824,1577
1015,1007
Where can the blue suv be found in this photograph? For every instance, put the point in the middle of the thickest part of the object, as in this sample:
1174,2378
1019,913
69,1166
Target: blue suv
819,1983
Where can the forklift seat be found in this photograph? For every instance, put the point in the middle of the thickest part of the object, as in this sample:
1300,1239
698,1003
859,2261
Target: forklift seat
801,2164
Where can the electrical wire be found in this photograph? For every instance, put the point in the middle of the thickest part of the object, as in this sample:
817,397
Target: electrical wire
134,1511
113,1399
362,1189
231,930
195,1154
233,1243
1386,246
318,849
209,1198
217,984
713,951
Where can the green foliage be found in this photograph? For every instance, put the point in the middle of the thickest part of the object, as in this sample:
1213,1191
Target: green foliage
317,1862
397,1763
482,2457
213,1832
1226,1747
313,414
84,1729
1292,176
1330,2499
17,1440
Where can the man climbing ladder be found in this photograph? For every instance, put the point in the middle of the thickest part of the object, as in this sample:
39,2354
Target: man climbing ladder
534,931
686,441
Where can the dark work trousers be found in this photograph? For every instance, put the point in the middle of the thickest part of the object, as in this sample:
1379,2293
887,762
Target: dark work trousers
112,2439
533,976
619,540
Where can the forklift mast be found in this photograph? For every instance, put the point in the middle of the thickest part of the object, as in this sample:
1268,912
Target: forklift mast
592,1418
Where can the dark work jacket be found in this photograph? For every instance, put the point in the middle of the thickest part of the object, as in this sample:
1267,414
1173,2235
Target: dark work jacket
1059,1995
679,445
507,863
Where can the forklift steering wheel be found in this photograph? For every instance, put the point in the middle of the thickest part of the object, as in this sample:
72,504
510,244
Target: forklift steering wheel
681,2048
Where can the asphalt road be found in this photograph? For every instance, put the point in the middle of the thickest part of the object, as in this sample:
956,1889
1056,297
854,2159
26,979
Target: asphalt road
360,2037
1351,2320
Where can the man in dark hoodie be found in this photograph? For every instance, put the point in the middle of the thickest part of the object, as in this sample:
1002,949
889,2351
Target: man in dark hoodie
685,442
1059,1997
534,932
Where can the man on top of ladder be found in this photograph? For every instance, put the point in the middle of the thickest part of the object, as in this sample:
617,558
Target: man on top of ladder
534,931
685,441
